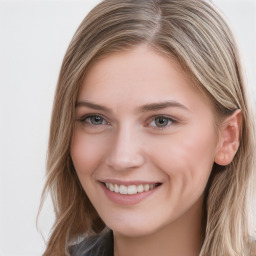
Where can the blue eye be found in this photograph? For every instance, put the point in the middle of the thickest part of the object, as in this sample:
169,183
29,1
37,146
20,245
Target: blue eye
162,121
94,120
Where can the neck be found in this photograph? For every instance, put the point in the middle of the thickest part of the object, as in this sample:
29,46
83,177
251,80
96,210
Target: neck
182,237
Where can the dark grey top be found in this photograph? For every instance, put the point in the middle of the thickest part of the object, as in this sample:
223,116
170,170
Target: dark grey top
100,245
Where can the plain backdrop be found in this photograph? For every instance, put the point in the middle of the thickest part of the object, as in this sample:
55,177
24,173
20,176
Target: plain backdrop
33,38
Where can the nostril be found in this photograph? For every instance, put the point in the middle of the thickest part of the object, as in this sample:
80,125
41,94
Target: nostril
123,161
125,151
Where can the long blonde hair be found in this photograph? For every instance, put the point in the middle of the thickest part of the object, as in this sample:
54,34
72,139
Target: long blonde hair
195,34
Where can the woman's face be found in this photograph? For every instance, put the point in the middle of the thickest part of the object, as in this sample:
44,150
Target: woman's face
144,141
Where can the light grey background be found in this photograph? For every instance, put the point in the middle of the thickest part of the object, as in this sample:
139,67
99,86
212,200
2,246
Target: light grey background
33,38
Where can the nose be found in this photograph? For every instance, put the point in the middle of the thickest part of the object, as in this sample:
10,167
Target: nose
126,150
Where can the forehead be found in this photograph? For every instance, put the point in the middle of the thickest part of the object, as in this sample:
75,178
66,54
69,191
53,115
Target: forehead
139,75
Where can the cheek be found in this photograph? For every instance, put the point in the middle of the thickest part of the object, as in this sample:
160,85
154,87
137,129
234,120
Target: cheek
87,152
187,156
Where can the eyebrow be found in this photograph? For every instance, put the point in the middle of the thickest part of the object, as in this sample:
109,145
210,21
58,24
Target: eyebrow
144,108
92,105
162,105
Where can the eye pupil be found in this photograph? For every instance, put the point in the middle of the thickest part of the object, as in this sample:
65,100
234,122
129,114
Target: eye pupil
161,121
96,120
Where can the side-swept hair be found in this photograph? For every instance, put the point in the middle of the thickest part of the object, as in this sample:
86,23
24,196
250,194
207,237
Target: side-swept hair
194,33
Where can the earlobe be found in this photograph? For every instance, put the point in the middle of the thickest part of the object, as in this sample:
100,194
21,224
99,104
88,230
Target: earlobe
229,138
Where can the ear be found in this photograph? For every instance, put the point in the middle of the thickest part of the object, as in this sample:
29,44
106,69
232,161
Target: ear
229,138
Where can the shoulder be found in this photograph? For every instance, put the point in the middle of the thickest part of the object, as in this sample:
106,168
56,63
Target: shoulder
98,245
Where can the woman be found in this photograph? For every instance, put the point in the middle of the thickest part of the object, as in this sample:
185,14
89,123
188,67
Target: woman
151,146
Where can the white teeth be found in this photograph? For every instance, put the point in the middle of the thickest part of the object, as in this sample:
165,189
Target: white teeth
116,189
123,190
111,187
140,188
131,189
146,187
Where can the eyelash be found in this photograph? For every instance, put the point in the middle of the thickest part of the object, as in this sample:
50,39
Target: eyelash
171,121
84,119
87,120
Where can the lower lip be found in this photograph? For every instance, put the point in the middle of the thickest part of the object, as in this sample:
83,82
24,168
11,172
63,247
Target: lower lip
118,198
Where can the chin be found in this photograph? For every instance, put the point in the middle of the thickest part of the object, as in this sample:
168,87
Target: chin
132,230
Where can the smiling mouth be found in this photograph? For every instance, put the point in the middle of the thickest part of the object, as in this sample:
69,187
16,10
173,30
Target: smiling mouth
131,189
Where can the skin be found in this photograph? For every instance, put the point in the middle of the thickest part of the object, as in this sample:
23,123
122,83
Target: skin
128,144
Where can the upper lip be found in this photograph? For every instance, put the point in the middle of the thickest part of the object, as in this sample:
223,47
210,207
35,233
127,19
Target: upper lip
128,182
